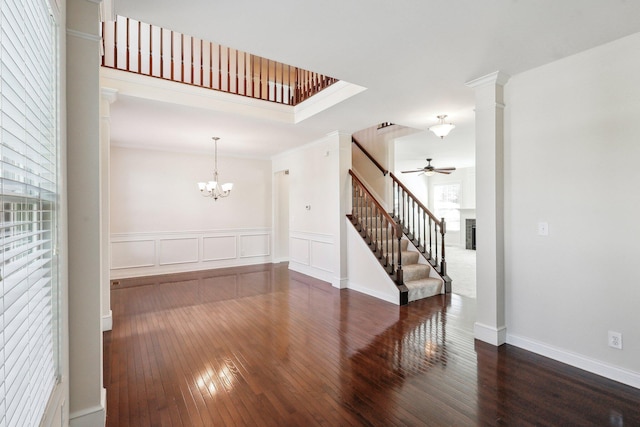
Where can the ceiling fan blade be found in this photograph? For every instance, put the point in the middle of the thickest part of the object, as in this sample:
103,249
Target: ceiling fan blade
442,171
417,170
445,169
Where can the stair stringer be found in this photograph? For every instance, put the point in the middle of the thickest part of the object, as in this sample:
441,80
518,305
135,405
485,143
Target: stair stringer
366,274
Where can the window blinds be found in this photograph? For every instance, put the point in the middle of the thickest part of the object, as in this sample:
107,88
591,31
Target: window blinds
28,172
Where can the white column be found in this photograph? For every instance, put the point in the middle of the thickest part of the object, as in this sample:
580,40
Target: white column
107,97
342,146
87,397
490,313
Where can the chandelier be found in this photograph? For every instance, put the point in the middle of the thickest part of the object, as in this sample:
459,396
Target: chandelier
442,129
214,188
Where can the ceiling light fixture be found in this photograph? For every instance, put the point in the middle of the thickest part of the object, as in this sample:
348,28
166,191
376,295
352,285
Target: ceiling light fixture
214,188
442,129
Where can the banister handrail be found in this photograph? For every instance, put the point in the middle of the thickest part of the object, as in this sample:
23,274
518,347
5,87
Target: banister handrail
385,214
417,201
370,157
137,47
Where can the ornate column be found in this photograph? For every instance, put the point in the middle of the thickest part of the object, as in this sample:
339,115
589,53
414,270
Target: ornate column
490,315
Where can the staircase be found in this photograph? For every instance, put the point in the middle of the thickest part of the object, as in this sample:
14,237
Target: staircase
407,265
417,276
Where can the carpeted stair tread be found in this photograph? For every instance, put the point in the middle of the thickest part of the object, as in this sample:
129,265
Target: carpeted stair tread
423,288
410,257
415,272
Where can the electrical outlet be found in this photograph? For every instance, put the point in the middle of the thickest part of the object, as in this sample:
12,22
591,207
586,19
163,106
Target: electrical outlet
615,340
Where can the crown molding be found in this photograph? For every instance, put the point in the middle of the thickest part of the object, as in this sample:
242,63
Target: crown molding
497,78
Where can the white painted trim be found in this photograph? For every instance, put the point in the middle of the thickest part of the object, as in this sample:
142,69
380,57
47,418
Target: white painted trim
267,253
146,87
308,270
186,268
325,99
489,334
372,293
109,94
314,237
94,416
340,282
235,249
136,240
188,261
496,78
84,36
579,361
151,234
53,413
107,321
199,237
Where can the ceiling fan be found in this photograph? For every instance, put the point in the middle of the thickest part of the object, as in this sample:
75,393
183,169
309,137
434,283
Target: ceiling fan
430,170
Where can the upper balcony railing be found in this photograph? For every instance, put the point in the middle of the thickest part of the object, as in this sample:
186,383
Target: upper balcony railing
134,46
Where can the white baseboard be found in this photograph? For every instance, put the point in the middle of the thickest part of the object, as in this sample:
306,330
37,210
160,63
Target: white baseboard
316,273
107,322
393,299
340,283
489,334
597,367
95,416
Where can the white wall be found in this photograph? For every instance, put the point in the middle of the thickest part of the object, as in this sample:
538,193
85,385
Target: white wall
571,159
378,148
318,202
161,224
87,400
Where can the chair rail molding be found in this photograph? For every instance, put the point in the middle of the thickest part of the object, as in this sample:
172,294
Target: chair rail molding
165,252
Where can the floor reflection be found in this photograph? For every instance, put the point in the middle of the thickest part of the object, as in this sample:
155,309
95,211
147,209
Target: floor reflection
263,345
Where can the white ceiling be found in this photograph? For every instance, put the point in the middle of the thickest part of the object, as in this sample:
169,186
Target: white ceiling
413,56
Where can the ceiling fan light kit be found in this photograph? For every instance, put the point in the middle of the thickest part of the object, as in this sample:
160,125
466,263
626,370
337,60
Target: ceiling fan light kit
442,129
214,188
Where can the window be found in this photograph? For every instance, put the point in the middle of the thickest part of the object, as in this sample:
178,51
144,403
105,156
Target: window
28,194
446,203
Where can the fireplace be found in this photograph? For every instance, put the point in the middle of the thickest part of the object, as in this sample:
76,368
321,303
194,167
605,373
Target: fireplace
470,241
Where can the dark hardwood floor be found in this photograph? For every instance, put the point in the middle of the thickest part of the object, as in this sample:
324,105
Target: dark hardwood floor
263,346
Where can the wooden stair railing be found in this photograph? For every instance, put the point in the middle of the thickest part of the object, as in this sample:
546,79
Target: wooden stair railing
380,231
369,156
423,229
136,47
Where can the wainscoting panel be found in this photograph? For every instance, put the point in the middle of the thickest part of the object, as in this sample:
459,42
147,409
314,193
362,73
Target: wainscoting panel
252,245
133,253
321,253
299,250
312,254
148,254
217,248
178,251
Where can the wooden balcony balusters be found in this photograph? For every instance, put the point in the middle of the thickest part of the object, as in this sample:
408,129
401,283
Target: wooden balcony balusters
136,47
